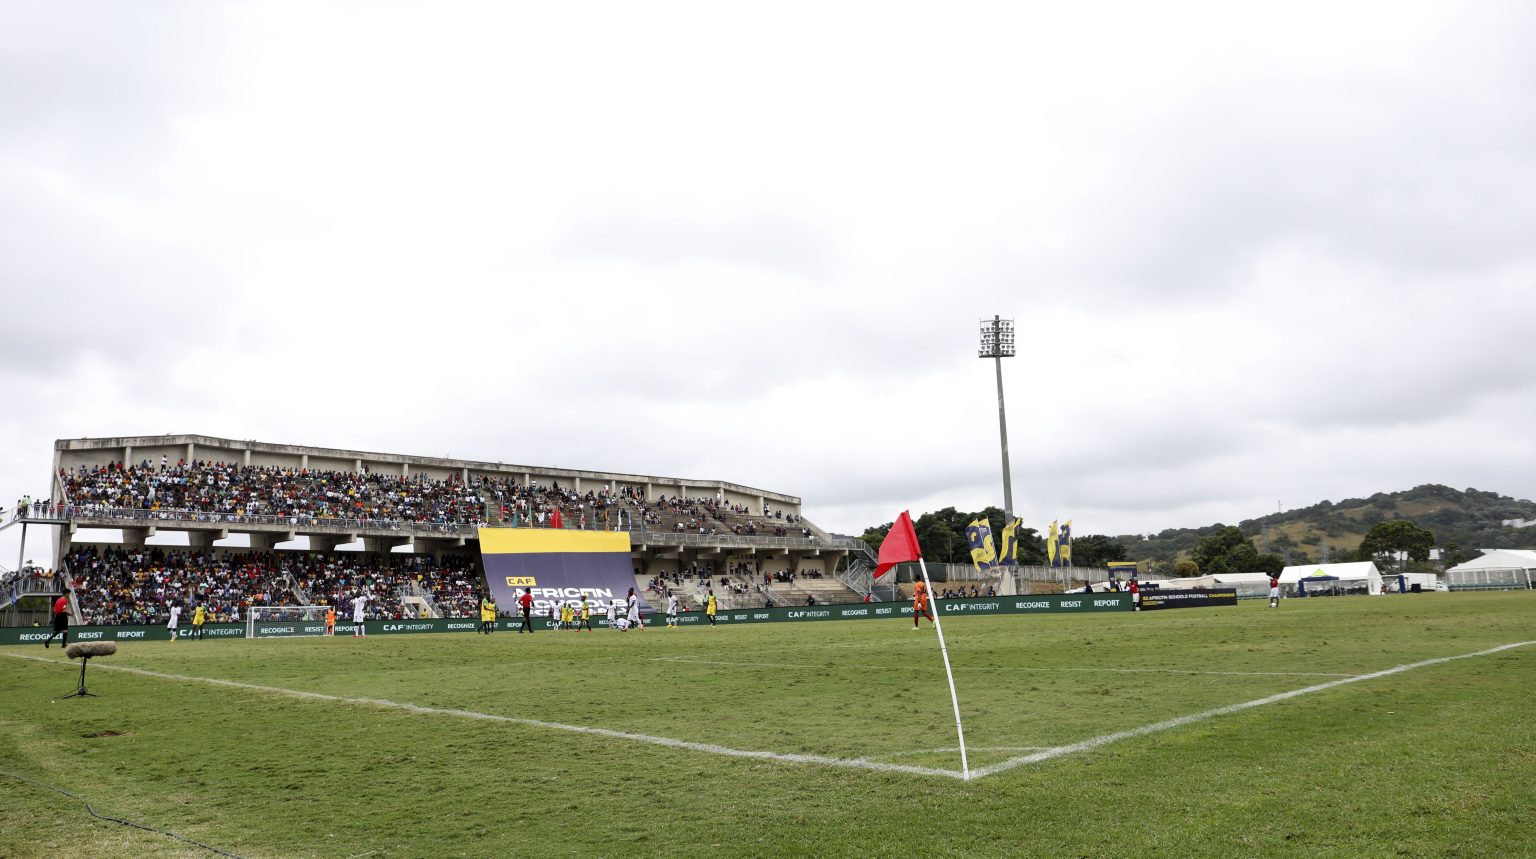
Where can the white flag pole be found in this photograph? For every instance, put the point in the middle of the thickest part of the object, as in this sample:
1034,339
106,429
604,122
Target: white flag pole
959,729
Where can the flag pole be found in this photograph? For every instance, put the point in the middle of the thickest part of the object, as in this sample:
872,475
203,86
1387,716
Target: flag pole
965,765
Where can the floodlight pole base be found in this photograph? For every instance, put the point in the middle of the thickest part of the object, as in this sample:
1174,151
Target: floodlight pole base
81,692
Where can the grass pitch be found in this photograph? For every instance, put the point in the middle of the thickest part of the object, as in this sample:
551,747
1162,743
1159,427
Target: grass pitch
468,745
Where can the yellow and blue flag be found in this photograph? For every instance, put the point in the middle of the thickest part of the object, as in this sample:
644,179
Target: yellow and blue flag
1064,544
1010,553
1050,548
979,536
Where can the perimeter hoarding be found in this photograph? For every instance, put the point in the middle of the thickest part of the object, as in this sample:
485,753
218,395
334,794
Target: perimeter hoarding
559,566
1158,598
897,611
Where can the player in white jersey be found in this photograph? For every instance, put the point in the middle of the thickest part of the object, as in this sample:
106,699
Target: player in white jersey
671,610
175,621
633,614
359,613
613,614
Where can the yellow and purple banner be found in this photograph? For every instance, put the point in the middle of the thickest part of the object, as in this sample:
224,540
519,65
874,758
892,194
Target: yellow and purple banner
560,566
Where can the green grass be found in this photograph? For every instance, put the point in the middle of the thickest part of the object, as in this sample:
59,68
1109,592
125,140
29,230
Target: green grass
1437,761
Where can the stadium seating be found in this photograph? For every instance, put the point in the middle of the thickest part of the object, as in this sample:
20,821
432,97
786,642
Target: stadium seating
128,585
219,489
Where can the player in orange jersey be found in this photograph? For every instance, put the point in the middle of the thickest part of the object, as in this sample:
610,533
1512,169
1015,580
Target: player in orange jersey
920,603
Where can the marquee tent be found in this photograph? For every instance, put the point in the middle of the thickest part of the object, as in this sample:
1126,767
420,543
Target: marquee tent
1497,568
1350,576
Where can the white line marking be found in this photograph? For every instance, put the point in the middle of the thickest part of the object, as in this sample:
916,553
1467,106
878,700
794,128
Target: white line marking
956,749
823,760
710,748
1181,721
1174,671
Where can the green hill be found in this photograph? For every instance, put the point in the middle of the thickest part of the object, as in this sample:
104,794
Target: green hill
1463,522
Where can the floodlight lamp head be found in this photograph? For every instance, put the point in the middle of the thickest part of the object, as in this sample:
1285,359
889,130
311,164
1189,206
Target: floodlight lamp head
996,338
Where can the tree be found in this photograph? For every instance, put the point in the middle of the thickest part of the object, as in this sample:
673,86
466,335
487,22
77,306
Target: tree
1226,551
1184,568
941,534
1452,554
1269,563
1398,535
1097,550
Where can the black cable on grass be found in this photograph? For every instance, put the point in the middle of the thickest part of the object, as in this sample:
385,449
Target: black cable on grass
82,799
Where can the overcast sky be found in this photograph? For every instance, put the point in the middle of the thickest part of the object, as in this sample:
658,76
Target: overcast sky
1254,256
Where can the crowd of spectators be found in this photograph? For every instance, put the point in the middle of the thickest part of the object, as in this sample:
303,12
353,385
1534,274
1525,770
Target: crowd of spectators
961,592
36,508
219,491
136,585
304,495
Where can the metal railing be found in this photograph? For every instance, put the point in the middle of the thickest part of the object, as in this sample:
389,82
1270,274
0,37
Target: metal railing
857,577
110,517
115,516
772,595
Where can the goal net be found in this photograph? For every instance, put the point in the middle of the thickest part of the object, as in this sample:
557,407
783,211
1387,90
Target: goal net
284,621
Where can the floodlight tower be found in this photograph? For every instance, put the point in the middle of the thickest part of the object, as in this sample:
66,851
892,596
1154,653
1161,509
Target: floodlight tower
997,344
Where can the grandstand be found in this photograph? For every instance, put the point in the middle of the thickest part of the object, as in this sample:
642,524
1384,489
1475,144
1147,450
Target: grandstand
288,524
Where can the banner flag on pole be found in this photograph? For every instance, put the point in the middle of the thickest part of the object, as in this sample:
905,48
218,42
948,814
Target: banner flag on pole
899,545
1051,547
1064,544
555,519
1010,552
979,535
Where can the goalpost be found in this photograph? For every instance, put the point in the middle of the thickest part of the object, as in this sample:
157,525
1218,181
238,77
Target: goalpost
284,621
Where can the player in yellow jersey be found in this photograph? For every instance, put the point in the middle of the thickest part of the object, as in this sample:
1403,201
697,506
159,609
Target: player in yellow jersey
487,614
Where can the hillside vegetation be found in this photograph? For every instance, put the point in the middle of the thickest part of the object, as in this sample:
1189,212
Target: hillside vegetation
1463,522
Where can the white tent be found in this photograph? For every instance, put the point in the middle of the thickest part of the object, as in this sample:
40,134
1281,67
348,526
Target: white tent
1347,575
1497,568
1248,584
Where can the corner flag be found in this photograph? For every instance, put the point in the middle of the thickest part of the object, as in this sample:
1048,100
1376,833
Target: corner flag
899,545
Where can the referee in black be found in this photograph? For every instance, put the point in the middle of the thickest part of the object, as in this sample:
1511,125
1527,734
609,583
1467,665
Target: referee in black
526,603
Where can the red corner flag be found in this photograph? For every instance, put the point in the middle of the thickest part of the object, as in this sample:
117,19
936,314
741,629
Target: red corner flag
899,546
556,520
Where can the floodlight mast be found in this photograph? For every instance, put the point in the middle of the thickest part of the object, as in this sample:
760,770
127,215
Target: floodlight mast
997,344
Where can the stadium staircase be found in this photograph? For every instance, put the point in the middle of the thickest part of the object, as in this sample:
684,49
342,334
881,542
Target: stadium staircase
826,591
16,585
773,596
413,596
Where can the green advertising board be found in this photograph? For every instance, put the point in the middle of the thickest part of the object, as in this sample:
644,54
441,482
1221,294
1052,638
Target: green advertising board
1039,604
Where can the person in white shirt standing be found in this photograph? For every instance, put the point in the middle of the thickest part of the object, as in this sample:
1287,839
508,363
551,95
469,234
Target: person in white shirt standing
359,612
671,610
613,614
633,613
175,621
